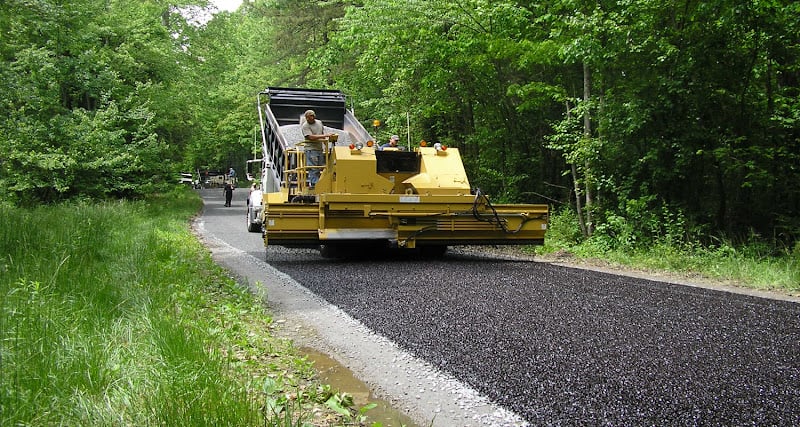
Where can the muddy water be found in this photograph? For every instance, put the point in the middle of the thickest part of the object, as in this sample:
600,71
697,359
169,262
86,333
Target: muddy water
342,379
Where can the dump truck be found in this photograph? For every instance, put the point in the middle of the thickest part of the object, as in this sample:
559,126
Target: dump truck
415,198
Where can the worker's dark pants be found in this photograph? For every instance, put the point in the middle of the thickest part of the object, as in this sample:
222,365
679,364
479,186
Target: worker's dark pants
228,197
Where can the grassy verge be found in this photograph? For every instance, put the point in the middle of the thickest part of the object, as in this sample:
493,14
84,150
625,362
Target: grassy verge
114,314
750,264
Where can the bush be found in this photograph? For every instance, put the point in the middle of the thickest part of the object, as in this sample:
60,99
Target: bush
563,230
641,225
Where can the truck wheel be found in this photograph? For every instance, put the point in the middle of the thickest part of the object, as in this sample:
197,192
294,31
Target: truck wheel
252,226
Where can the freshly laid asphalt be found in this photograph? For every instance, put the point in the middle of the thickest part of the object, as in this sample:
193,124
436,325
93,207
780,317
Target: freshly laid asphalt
566,346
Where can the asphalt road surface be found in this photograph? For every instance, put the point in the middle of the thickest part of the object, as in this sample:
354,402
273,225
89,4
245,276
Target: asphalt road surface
551,344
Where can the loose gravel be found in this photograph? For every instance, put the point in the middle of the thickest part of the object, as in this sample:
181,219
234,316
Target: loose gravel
293,134
565,346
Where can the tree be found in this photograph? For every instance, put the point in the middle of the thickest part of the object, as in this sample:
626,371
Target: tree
80,107
450,66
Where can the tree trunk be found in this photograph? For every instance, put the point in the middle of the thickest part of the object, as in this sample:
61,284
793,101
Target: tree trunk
578,207
576,182
587,133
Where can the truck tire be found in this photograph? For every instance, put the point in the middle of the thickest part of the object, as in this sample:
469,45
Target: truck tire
252,225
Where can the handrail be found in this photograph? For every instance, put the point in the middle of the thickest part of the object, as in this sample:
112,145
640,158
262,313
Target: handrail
294,101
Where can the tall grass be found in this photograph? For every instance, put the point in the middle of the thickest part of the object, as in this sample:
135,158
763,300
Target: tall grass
98,319
752,264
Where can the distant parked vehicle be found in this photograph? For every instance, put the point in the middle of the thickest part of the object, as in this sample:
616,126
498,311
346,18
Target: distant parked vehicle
219,180
186,178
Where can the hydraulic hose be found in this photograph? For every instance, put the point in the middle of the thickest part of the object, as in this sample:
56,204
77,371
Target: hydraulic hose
494,218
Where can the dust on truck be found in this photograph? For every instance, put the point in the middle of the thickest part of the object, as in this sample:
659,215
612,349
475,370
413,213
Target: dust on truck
417,199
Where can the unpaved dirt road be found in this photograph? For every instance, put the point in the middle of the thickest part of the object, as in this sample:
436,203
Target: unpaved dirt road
478,340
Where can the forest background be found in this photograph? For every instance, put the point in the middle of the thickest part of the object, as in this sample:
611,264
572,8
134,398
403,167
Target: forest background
643,123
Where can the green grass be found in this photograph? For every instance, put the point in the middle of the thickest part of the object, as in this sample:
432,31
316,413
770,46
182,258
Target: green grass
752,264
114,314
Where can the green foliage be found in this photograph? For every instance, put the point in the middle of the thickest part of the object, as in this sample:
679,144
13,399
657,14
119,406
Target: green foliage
578,149
691,104
563,232
95,322
641,225
752,264
113,314
81,112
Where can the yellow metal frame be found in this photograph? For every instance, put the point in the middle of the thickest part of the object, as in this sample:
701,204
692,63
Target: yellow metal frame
352,202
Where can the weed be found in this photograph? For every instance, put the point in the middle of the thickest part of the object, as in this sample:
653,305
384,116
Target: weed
658,241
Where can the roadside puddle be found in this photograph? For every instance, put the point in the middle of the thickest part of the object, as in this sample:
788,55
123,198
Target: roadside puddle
340,378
